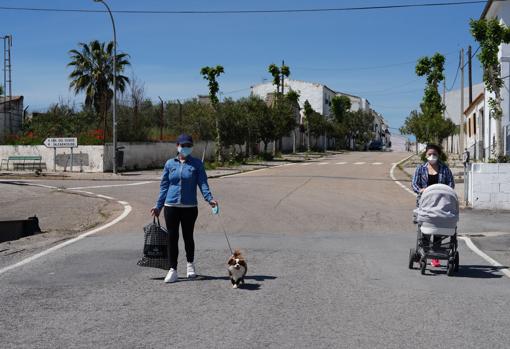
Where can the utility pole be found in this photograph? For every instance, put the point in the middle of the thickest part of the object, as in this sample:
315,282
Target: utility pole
444,97
7,81
283,77
470,74
114,109
461,131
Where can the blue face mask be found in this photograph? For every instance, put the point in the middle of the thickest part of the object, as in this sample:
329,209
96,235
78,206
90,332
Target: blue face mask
184,151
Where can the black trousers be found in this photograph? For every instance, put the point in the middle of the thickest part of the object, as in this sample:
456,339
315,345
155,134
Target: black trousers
186,218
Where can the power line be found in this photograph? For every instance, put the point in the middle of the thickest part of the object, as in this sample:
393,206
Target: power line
213,12
456,76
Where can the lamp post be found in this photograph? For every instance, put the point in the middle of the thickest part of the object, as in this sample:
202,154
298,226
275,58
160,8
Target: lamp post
114,109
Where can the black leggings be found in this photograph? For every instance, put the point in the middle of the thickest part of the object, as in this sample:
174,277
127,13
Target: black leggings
186,218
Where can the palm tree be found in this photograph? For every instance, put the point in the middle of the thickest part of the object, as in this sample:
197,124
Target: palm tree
93,74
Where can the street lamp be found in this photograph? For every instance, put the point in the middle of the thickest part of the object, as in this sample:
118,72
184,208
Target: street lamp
114,126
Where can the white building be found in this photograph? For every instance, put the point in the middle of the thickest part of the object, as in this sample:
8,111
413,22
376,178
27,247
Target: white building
501,10
453,112
11,116
400,143
478,136
319,96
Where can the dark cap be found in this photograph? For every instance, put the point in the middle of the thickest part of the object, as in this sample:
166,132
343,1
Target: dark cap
184,139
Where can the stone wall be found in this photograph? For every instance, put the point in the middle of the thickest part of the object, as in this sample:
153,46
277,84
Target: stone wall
489,186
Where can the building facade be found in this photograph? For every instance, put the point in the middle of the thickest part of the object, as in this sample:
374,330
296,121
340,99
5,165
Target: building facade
11,116
501,10
320,97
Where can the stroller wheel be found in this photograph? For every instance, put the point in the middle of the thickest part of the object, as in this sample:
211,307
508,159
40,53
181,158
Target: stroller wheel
456,259
423,266
450,267
412,257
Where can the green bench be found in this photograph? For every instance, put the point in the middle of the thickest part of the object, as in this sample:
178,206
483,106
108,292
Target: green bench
23,162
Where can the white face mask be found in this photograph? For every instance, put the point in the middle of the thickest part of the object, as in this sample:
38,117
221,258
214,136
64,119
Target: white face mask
432,159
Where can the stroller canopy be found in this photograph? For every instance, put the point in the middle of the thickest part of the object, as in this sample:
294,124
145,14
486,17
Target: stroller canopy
438,206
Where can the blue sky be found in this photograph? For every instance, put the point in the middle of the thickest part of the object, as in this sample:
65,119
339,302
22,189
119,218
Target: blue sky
339,49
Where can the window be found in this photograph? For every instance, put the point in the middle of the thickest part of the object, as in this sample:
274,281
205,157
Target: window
474,123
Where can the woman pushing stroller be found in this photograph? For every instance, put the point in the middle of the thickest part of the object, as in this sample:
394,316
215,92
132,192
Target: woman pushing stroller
432,172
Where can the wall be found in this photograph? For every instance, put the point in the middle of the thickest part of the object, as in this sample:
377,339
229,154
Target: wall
501,10
400,143
489,186
88,158
10,123
453,112
138,156
312,92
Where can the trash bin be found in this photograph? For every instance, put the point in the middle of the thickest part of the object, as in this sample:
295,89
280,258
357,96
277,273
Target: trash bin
120,156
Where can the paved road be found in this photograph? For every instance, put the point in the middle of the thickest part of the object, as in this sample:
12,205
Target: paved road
327,245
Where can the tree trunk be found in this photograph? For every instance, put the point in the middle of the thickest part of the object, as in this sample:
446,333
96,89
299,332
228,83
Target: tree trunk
205,151
219,156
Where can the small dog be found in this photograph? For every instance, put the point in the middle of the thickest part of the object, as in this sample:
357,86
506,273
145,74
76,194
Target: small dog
237,269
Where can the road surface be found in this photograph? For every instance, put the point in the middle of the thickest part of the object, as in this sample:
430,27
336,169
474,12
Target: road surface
327,245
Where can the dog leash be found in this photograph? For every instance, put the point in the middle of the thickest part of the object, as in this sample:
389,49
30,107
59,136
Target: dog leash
226,237
217,213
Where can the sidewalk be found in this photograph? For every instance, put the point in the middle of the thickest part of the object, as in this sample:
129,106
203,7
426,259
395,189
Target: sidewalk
155,174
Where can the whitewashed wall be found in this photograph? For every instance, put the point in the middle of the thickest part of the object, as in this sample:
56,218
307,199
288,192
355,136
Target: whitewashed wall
501,10
312,92
92,156
139,156
489,186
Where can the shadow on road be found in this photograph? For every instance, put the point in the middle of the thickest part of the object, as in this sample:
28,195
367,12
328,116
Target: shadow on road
472,271
479,271
254,286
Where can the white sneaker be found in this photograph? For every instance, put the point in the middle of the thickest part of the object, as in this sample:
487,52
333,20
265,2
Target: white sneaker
190,271
171,276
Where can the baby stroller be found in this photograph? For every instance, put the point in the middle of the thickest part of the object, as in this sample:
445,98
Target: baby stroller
437,216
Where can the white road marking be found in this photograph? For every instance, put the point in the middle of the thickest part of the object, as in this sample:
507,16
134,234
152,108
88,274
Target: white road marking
392,175
104,197
377,163
360,163
125,213
482,254
112,185
324,163
341,163
306,164
467,240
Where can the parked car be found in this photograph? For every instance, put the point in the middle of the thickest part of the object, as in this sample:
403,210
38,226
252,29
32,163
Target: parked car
375,145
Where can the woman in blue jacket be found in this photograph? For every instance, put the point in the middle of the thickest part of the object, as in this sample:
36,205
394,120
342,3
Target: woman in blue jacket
178,195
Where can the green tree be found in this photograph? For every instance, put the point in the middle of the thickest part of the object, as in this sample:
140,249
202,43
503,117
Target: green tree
199,120
211,74
93,74
279,74
428,125
490,34
340,107
259,122
1,90
360,126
